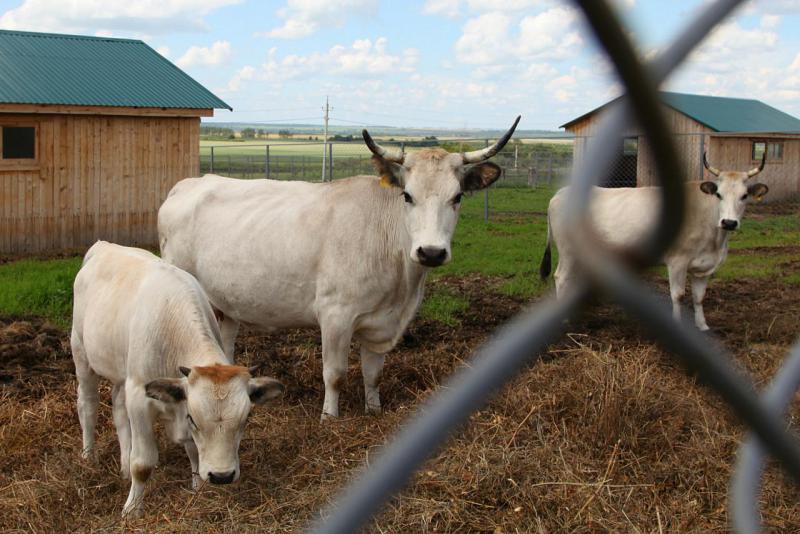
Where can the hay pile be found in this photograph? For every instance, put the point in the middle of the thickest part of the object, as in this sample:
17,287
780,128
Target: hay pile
607,433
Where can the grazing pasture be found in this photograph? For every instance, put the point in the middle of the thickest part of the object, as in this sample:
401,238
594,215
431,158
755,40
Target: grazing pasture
606,433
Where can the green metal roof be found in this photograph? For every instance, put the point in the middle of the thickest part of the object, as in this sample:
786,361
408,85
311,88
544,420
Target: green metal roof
722,114
46,68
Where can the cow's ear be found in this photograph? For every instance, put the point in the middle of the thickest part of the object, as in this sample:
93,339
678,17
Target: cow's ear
391,173
166,390
709,188
264,388
757,191
480,176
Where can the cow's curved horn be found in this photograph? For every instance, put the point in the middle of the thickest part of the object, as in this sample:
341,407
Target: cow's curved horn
760,168
485,153
379,151
711,169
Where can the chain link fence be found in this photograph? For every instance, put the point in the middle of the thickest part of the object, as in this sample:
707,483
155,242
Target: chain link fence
606,273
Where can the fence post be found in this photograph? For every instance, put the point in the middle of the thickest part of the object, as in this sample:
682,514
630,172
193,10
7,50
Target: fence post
211,171
486,197
266,162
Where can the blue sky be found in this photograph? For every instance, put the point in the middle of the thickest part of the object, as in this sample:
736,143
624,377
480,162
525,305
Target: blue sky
435,63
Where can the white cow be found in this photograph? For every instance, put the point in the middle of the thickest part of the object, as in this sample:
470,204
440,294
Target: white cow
147,326
622,216
350,256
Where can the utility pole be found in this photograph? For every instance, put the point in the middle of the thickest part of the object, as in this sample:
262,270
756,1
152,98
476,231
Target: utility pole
326,109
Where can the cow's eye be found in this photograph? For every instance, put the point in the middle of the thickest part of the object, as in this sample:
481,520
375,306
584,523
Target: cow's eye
718,196
407,198
744,197
457,198
192,424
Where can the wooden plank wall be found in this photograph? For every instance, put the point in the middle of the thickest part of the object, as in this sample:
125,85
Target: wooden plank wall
99,177
726,153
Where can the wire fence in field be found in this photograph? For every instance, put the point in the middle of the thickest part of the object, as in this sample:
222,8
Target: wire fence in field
606,273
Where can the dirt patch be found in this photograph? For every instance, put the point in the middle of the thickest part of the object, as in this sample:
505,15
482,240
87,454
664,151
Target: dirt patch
783,207
606,434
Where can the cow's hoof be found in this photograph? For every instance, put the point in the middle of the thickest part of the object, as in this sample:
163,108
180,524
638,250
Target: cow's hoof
134,512
326,418
196,482
89,455
373,409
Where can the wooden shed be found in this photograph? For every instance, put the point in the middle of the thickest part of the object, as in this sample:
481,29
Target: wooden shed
733,131
93,134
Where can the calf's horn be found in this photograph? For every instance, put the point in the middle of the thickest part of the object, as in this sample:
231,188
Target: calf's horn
485,153
378,150
760,168
711,169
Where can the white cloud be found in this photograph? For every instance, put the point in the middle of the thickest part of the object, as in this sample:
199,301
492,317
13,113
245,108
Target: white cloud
445,8
111,16
731,47
770,21
490,38
457,8
203,56
795,66
245,73
164,51
306,17
363,58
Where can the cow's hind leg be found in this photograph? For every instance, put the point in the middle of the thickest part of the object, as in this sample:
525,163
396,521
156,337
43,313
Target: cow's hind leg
335,350
677,287
123,425
699,285
371,369
87,394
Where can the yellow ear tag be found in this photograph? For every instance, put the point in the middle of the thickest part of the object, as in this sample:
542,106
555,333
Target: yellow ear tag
758,199
386,181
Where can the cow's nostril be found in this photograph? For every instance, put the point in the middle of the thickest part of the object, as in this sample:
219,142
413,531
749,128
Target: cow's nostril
729,224
431,256
221,478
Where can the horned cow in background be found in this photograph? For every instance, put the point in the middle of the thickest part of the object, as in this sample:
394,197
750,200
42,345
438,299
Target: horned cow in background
622,216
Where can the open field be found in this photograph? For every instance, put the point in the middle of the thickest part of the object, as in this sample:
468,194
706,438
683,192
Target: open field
607,433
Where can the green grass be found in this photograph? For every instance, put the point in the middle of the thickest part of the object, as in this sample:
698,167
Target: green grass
39,287
443,306
507,250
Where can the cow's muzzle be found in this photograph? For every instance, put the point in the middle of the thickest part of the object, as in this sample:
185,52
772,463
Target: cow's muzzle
221,478
729,224
431,256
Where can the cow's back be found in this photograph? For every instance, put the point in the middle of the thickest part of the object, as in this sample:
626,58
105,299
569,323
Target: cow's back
273,252
129,303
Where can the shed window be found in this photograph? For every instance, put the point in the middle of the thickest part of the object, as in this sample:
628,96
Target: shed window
774,150
19,142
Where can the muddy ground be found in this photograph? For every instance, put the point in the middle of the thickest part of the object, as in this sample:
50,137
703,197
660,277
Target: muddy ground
606,433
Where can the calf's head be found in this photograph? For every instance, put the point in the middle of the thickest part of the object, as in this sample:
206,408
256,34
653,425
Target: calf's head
216,401
733,192
431,183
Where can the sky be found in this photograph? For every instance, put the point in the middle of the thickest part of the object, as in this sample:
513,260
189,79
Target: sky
429,63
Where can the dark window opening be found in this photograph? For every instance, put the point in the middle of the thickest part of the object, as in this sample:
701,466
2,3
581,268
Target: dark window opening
19,142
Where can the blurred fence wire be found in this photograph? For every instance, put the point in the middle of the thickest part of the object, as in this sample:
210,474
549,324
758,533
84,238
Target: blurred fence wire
609,274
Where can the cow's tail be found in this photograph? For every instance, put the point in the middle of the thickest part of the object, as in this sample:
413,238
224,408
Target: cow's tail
547,260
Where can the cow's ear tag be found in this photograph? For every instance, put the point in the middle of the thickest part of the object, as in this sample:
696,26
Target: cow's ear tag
386,181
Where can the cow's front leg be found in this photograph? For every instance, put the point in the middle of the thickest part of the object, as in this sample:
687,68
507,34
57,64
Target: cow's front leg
144,448
194,459
335,350
123,426
371,369
228,330
677,287
699,285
